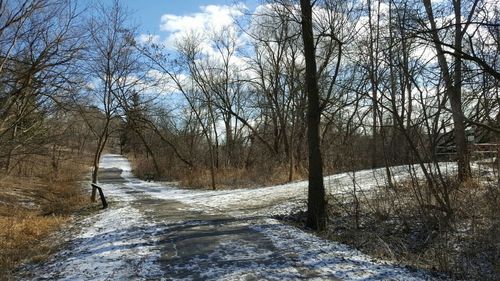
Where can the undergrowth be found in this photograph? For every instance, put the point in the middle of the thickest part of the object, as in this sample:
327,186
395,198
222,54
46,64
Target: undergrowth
35,201
391,224
225,178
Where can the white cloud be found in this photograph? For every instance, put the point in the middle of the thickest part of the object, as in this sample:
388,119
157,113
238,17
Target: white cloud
148,38
163,83
210,18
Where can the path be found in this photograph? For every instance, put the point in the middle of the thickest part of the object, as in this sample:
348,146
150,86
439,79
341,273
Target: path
159,232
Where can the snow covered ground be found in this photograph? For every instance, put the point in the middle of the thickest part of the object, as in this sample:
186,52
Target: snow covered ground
162,232
271,200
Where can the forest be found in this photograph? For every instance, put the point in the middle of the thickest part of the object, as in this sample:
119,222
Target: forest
286,92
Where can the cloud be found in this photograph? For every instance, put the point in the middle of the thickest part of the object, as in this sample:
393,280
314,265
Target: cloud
147,39
210,18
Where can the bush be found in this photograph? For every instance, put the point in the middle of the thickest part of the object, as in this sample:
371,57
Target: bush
35,201
394,225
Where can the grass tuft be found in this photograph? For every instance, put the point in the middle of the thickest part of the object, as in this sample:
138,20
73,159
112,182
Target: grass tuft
34,203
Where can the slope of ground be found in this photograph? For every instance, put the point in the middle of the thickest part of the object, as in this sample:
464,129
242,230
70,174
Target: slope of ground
32,207
156,231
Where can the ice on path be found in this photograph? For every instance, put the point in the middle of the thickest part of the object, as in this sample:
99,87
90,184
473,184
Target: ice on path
130,241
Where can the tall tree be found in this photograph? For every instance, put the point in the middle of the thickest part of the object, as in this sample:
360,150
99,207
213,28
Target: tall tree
316,205
40,46
373,53
452,77
111,61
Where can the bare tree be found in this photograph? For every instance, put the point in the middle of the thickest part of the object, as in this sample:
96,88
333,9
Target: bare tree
316,205
41,46
110,58
452,77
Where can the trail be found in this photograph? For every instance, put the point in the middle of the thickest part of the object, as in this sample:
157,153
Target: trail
154,231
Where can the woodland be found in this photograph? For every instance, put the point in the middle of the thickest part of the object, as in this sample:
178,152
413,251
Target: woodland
294,90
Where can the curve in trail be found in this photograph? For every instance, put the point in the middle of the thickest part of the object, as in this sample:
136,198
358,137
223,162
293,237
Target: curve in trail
159,232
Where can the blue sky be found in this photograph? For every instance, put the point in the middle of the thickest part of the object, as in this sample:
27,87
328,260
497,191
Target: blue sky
148,13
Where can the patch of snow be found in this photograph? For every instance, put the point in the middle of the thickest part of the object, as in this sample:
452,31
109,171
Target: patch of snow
134,240
262,200
109,161
114,243
330,260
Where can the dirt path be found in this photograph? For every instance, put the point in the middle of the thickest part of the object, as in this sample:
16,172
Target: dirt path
157,232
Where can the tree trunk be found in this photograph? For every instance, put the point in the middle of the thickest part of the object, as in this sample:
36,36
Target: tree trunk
373,49
316,205
455,95
97,157
464,171
453,86
95,170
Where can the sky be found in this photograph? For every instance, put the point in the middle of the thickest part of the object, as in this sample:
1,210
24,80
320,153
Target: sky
166,21
147,14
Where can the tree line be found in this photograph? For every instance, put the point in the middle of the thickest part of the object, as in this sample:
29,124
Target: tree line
287,91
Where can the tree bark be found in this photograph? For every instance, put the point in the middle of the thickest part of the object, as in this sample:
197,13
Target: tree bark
455,95
373,49
453,85
97,157
316,205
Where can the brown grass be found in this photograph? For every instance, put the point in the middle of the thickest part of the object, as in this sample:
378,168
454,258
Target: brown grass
225,177
232,178
394,226
21,238
36,201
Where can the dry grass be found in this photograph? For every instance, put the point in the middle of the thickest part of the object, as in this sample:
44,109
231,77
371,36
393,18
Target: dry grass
21,238
225,178
143,167
35,201
232,178
393,225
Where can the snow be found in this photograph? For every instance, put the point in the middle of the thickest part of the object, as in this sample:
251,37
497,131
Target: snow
162,232
332,260
273,200
107,244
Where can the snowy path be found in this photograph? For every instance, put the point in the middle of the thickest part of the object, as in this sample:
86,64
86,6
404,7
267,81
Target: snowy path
159,232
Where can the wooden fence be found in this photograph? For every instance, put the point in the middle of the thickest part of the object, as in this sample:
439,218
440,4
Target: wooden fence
101,195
